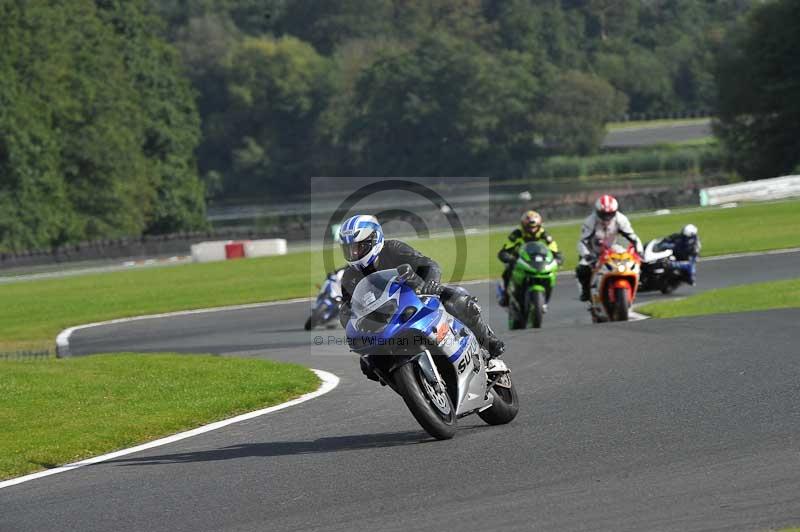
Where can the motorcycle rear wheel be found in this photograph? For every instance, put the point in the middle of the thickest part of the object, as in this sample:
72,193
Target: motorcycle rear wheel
668,288
433,410
505,405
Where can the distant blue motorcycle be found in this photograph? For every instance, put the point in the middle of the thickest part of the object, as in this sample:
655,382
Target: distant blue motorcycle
668,262
329,301
411,343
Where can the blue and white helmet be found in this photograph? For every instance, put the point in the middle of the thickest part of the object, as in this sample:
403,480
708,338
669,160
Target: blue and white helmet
361,238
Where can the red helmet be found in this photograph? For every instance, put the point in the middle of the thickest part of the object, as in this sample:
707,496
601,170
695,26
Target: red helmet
606,207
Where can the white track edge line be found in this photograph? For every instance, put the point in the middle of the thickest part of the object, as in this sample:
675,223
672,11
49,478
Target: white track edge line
329,382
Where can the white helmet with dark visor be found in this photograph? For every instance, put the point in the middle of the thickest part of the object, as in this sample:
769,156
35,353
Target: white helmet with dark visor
361,238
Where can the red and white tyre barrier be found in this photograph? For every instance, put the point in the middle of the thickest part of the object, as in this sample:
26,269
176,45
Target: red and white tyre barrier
237,249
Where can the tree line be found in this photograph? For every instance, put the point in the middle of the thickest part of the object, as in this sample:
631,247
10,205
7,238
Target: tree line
292,88
98,125
124,117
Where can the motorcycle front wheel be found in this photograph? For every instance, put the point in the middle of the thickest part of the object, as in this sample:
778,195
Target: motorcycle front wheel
433,410
536,307
516,317
314,319
621,304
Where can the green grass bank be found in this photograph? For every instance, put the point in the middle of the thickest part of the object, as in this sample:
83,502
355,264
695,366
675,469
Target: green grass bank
59,411
752,297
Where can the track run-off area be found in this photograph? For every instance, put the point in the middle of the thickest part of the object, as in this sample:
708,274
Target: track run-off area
682,424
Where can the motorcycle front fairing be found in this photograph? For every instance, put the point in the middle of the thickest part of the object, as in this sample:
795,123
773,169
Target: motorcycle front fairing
616,268
394,326
661,269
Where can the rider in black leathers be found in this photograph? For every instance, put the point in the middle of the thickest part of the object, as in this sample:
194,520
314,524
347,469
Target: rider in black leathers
685,247
393,253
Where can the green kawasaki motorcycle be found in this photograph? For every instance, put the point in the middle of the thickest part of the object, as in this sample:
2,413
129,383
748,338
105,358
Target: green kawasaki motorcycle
532,281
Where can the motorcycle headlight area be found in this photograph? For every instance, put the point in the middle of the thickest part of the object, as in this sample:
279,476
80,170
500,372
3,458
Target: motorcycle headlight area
377,320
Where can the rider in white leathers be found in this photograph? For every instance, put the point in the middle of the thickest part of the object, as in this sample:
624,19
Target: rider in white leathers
600,230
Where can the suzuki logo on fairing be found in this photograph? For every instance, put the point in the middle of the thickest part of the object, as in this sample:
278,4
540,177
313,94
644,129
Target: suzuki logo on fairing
464,363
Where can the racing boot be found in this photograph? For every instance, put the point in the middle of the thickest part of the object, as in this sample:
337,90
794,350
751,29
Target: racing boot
583,274
473,319
485,335
585,295
494,346
463,306
502,297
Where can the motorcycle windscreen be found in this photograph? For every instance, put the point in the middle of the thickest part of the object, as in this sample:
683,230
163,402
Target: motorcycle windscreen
538,254
373,302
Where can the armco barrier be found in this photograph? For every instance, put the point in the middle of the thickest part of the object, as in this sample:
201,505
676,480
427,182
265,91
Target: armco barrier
761,190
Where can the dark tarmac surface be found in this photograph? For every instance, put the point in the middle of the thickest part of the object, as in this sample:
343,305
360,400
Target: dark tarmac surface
685,424
630,137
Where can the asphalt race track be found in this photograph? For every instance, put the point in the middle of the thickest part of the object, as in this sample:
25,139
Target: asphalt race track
685,424
645,136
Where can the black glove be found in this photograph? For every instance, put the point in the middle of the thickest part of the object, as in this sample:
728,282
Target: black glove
431,288
408,276
559,258
507,257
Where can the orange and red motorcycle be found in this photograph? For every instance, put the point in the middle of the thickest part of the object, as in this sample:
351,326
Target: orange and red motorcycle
614,283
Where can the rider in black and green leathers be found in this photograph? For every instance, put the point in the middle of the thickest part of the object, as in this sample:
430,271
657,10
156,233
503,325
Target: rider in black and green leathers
530,230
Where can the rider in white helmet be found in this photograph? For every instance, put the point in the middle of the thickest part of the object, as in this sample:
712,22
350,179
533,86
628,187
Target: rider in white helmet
366,251
686,248
600,230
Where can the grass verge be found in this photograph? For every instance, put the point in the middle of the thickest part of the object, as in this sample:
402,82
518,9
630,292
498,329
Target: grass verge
59,411
34,312
752,297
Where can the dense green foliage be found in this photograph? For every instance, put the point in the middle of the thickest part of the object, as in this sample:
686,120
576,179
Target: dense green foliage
292,88
101,101
97,125
759,91
659,161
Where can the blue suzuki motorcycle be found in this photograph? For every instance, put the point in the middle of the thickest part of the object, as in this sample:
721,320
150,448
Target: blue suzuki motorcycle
412,344
328,303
